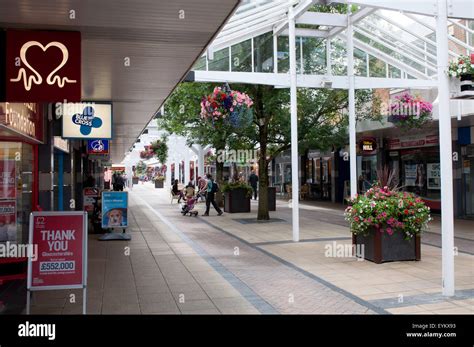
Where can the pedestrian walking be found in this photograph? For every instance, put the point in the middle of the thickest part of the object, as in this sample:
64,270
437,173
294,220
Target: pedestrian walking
253,181
212,189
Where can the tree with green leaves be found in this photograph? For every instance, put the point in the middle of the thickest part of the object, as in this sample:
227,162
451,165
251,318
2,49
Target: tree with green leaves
322,124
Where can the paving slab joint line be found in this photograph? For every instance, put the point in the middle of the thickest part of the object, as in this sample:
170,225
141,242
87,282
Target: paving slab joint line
250,296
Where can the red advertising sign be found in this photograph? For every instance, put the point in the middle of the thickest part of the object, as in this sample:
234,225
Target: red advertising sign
61,241
7,179
412,141
43,66
90,198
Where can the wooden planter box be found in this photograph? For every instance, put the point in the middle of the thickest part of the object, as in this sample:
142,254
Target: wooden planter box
159,184
236,201
135,180
381,247
271,198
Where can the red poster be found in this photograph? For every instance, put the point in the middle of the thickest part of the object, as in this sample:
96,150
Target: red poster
61,249
7,220
7,179
43,66
90,198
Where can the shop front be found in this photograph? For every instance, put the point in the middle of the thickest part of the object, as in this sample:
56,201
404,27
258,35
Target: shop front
466,143
319,174
416,165
367,163
21,131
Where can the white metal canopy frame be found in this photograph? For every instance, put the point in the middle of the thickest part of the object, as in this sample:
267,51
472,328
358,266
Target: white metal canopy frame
409,37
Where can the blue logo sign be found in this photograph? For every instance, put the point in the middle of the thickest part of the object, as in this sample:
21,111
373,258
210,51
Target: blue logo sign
98,146
87,120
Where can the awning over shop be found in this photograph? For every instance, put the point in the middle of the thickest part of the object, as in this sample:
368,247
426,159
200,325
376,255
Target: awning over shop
133,52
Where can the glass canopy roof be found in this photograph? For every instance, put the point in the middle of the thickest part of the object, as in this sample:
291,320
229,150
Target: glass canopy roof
387,43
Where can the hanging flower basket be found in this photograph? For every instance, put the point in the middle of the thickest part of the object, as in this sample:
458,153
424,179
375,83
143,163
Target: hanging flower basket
225,106
159,148
463,69
147,153
409,112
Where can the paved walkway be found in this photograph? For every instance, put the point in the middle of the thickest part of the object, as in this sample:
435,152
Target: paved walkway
233,264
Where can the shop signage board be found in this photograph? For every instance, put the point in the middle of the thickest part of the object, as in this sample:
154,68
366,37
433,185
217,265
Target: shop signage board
87,120
99,146
368,145
7,179
43,66
24,119
90,197
61,144
7,220
61,261
412,141
114,209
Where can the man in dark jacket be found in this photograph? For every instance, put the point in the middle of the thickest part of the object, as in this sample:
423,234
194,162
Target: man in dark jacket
253,180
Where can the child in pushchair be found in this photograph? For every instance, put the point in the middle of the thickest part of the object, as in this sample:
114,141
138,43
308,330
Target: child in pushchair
188,206
191,201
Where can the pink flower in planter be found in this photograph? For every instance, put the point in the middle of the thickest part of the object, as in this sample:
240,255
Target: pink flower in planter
389,231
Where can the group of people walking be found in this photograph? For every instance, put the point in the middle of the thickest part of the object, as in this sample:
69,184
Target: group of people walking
207,188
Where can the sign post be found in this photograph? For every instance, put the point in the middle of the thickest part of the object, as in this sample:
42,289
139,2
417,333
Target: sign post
114,215
61,262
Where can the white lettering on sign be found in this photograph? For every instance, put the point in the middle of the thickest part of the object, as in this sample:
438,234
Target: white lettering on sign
58,239
36,78
17,117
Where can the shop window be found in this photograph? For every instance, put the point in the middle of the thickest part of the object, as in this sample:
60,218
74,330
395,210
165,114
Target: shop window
420,173
16,190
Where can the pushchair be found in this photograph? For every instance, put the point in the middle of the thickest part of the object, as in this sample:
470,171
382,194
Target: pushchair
190,202
188,207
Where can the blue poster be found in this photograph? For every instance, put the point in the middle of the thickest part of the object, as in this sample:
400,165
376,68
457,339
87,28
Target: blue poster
114,209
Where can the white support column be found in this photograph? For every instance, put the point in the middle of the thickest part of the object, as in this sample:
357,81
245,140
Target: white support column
176,168
168,173
445,148
187,167
352,115
294,128
275,53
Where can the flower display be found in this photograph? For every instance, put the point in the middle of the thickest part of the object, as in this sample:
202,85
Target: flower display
383,210
227,105
408,111
147,153
159,148
461,66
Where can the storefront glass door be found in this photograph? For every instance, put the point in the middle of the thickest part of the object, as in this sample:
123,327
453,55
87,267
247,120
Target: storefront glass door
468,173
16,190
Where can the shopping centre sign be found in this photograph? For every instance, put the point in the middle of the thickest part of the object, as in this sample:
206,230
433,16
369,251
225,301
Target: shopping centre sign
43,66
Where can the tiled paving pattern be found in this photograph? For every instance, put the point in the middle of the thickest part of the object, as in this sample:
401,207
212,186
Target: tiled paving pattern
176,264
284,288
